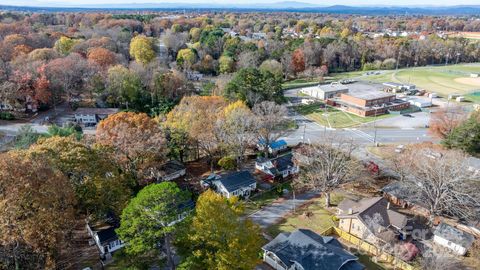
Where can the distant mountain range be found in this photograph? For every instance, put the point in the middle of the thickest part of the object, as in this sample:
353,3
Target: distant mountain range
288,6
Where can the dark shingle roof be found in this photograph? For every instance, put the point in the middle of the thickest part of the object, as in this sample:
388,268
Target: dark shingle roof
454,235
107,235
236,180
172,166
312,251
283,162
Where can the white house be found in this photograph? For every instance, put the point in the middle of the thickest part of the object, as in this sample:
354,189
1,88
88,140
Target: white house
282,166
105,238
452,238
274,147
91,116
239,184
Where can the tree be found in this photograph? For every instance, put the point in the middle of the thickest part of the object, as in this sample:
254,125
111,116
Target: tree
150,219
236,129
136,138
444,120
298,60
327,167
197,117
99,184
227,241
142,49
442,181
466,136
253,86
174,41
186,58
26,137
65,44
226,64
273,66
102,57
125,87
271,122
37,210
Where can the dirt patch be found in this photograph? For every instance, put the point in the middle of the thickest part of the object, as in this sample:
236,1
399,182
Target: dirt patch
468,81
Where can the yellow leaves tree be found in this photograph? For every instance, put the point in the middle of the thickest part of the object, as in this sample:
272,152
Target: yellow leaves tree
197,116
65,44
142,49
225,242
37,209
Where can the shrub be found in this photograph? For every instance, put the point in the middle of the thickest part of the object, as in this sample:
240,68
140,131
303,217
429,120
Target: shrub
227,163
6,116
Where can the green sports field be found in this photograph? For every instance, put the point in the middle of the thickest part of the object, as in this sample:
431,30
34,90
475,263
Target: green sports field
443,80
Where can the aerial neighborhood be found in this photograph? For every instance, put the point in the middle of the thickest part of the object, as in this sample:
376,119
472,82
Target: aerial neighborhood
203,136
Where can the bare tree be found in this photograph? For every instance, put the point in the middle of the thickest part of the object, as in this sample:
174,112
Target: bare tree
271,122
443,182
329,165
174,41
248,60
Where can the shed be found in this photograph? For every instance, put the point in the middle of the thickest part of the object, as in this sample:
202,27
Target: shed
452,238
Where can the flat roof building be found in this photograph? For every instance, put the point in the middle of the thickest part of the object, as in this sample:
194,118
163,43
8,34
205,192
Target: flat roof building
365,102
326,91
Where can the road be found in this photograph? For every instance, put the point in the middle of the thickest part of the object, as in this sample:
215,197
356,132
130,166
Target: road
362,135
273,213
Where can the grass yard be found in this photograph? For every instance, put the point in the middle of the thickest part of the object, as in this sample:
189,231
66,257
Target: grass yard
318,220
300,83
443,80
334,118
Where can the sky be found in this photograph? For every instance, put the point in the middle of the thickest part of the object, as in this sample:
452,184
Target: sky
323,3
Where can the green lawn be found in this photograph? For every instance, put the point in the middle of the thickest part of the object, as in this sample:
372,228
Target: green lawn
299,83
438,79
334,118
319,220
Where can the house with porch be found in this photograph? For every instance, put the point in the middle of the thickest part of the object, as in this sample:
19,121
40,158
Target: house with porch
105,238
279,167
240,184
306,250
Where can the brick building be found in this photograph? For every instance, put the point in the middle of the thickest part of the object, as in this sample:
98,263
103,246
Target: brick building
369,103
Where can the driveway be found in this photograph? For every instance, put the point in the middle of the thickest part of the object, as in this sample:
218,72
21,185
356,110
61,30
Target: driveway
273,213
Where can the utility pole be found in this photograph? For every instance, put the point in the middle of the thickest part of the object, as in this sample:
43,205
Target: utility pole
304,128
375,128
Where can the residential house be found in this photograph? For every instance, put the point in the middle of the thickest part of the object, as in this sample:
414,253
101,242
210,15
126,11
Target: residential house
452,238
239,184
306,250
91,116
404,196
372,220
169,171
282,166
274,147
104,236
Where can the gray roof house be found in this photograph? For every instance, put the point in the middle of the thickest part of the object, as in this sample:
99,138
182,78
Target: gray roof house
306,250
452,238
326,91
281,166
168,171
371,219
239,184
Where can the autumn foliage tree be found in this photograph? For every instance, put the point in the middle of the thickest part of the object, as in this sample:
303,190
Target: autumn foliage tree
37,211
227,241
444,120
136,138
142,49
298,60
101,56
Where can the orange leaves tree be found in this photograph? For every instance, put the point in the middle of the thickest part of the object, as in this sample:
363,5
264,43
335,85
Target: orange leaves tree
37,211
443,121
136,138
101,56
298,60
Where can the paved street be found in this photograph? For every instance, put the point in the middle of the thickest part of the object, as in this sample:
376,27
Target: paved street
273,213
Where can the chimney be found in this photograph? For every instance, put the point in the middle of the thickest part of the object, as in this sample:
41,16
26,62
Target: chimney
388,205
350,211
